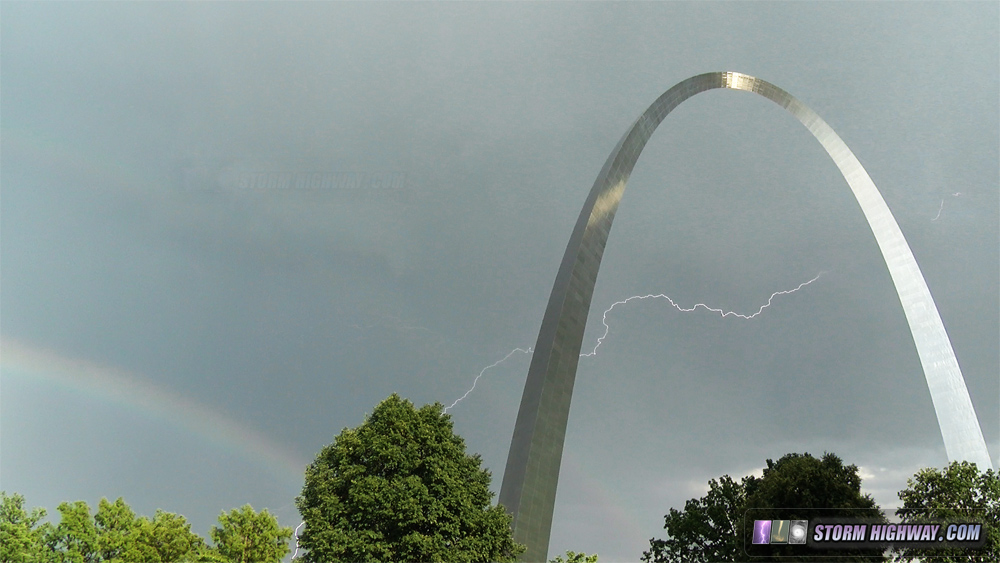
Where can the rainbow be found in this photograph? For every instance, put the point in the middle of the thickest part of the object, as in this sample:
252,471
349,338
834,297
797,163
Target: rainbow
135,393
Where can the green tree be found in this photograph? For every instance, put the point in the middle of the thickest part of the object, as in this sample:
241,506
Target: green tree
170,536
959,492
113,535
708,529
717,526
813,488
116,535
21,535
401,487
574,557
74,540
120,536
245,536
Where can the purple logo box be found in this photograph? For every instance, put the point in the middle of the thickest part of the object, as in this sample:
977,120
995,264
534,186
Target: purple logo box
761,531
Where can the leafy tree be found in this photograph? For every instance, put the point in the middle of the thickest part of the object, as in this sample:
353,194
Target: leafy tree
959,492
400,487
574,557
74,540
21,536
116,535
245,536
120,534
716,527
708,529
171,537
812,487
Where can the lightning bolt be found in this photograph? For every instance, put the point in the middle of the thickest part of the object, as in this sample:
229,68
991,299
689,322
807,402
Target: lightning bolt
297,540
939,211
493,365
940,207
607,328
724,314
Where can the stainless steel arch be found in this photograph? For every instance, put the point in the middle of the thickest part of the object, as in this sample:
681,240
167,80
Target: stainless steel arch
529,482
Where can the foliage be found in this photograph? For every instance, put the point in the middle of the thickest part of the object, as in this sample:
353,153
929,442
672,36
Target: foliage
21,536
814,488
74,540
244,536
114,534
708,528
959,492
119,534
400,487
171,537
716,527
574,557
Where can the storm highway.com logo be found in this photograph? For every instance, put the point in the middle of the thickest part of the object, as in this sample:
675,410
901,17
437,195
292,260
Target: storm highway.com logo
843,534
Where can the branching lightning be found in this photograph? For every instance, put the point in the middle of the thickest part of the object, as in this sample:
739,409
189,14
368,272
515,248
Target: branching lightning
722,313
607,328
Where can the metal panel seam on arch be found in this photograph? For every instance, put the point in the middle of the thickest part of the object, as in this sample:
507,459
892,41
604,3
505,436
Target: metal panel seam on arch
532,472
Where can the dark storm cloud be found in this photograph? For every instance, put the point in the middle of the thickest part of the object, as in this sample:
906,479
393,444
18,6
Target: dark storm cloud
133,235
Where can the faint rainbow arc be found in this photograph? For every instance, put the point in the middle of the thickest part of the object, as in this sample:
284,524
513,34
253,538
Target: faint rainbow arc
135,393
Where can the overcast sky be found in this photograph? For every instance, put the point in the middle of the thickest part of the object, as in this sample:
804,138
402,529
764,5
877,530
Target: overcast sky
176,332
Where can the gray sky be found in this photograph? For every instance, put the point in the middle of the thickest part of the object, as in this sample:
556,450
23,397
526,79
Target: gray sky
179,334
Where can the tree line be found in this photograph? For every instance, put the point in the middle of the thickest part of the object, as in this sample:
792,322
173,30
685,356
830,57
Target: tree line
401,487
717,526
114,533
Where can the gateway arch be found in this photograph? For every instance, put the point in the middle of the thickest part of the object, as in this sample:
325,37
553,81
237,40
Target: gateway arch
529,482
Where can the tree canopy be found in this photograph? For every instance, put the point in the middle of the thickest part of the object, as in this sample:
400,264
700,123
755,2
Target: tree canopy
401,487
958,492
245,536
717,526
708,529
21,532
115,534
574,557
